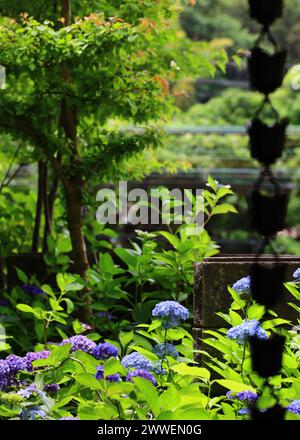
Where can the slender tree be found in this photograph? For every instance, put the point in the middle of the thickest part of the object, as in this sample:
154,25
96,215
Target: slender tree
69,74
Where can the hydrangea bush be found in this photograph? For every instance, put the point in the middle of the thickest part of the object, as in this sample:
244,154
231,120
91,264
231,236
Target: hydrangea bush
150,372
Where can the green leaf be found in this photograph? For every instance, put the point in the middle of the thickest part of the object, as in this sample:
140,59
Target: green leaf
113,366
274,323
170,399
212,183
256,311
106,264
60,279
22,276
186,370
99,411
70,305
55,304
240,302
119,389
64,245
89,381
178,333
156,323
236,319
125,338
48,289
235,387
172,238
25,308
61,353
148,393
223,209
127,256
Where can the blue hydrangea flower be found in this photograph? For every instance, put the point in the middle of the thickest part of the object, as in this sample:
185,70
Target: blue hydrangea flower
4,374
296,274
110,378
52,388
248,397
294,407
165,349
243,411
15,363
243,285
171,313
158,369
33,414
141,373
248,328
138,361
105,350
80,342
34,356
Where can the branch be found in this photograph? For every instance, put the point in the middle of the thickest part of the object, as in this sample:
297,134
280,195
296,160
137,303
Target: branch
39,140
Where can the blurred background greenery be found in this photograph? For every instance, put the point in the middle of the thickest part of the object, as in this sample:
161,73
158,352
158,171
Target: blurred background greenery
222,101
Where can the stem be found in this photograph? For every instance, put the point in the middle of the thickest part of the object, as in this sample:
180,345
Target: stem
243,359
46,326
164,356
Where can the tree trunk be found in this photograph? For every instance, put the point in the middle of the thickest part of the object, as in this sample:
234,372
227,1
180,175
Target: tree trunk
49,201
66,12
74,187
79,251
74,209
39,206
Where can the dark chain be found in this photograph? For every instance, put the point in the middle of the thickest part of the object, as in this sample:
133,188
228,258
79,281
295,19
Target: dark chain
267,201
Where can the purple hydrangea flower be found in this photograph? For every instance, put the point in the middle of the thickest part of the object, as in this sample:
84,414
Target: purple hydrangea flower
243,285
33,414
52,388
105,350
165,349
296,274
15,363
171,313
34,356
141,373
248,328
294,407
111,378
138,361
27,392
4,303
35,290
4,374
80,342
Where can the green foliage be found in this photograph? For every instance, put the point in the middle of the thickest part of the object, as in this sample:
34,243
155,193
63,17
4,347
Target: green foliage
229,19
184,390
